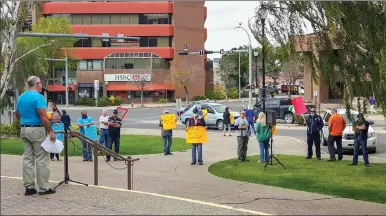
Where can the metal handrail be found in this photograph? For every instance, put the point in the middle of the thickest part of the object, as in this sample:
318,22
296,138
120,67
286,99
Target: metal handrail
98,147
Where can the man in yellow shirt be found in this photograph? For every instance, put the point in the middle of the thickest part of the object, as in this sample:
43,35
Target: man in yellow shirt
336,126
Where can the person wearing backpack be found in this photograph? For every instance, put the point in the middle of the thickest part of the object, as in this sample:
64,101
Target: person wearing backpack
263,134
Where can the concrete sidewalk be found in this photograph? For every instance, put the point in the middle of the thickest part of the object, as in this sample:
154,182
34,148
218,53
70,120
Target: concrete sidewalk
173,175
80,200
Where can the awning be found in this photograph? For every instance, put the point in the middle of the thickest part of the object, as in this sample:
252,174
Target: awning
60,88
134,87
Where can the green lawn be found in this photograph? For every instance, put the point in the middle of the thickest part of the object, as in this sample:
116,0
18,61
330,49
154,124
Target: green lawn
324,177
130,145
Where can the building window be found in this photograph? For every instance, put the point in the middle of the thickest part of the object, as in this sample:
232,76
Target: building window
153,42
154,19
142,63
96,42
115,19
90,64
86,19
83,43
106,19
110,63
162,41
119,63
96,19
76,19
159,63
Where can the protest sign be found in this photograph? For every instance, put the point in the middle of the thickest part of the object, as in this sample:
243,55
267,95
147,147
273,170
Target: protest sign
122,112
204,114
196,134
231,118
169,121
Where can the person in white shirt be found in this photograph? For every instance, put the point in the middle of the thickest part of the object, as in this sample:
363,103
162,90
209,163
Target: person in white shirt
104,128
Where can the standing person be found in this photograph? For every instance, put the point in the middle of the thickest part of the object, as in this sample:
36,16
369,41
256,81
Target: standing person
85,121
372,104
243,132
166,136
336,126
66,119
263,133
314,126
55,121
31,111
115,124
250,114
197,120
227,121
104,128
361,127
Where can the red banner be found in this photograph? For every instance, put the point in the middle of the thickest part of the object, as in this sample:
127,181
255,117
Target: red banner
299,105
122,112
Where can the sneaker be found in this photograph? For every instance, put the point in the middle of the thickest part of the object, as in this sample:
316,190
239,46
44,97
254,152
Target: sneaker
230,134
319,158
307,158
353,164
224,135
367,165
165,153
201,163
84,159
30,191
49,191
193,163
170,153
246,160
331,160
107,160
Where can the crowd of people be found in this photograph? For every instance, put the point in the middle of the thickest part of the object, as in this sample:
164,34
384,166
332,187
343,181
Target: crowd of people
36,125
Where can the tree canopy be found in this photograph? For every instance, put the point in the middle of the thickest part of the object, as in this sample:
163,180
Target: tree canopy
348,36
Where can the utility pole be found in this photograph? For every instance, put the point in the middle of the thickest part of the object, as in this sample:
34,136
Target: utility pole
239,76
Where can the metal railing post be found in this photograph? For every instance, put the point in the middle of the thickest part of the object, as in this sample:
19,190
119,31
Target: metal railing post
95,153
129,174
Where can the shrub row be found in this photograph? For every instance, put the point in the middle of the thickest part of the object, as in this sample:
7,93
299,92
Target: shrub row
10,129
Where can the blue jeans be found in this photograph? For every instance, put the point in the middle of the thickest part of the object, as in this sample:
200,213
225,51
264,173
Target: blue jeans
198,148
264,152
251,124
86,151
116,140
104,137
363,143
167,141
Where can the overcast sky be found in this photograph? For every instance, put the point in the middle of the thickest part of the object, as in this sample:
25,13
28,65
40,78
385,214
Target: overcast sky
223,17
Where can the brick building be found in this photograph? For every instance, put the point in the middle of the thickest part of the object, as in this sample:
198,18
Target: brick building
163,28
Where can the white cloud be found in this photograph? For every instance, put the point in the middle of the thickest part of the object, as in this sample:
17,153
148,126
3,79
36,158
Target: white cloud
223,17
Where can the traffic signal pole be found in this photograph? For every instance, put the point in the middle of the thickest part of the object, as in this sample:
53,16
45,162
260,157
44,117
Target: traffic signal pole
222,52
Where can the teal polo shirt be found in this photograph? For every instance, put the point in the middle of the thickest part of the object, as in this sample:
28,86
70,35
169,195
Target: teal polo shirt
27,105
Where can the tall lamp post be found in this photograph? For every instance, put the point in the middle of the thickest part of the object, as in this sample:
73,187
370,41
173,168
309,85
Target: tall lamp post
263,16
250,63
256,54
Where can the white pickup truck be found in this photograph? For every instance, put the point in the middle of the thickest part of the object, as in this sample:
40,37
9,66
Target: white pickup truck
348,133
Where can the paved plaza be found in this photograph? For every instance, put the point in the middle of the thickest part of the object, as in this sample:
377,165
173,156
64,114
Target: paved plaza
174,176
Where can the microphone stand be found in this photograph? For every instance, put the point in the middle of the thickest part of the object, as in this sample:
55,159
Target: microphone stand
66,135
272,156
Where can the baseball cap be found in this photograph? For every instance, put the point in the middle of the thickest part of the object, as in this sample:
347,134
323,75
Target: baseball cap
313,110
166,111
115,111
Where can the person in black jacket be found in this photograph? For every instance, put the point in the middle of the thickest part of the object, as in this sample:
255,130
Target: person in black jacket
314,126
66,119
226,121
197,120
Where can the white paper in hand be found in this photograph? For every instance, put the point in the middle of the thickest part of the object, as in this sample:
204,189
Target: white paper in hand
51,147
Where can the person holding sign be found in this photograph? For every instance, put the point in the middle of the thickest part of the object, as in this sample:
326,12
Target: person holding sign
85,121
167,123
227,121
243,132
57,127
196,120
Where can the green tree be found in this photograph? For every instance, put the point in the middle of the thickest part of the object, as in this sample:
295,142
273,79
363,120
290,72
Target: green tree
349,36
227,69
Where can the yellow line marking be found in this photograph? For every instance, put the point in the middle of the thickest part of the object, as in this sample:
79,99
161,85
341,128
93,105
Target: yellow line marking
166,196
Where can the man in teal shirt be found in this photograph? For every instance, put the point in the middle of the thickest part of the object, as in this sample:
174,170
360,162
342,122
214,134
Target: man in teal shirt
31,111
85,121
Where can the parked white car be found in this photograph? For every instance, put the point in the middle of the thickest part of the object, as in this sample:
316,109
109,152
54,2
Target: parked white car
348,133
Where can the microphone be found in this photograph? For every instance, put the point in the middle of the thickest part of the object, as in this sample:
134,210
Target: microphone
45,90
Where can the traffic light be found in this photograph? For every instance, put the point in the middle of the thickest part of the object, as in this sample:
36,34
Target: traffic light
64,81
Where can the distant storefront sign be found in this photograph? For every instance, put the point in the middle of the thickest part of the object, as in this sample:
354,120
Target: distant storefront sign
127,77
124,43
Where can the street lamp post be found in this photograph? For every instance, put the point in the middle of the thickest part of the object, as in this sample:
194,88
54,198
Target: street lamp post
263,16
239,76
250,63
256,71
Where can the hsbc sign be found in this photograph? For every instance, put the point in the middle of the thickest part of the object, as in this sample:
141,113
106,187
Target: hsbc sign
127,77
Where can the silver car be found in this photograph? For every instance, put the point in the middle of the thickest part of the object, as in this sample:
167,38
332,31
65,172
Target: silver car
214,117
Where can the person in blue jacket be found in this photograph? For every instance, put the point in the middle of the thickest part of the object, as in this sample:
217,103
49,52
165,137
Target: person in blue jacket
85,121
314,126
250,115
